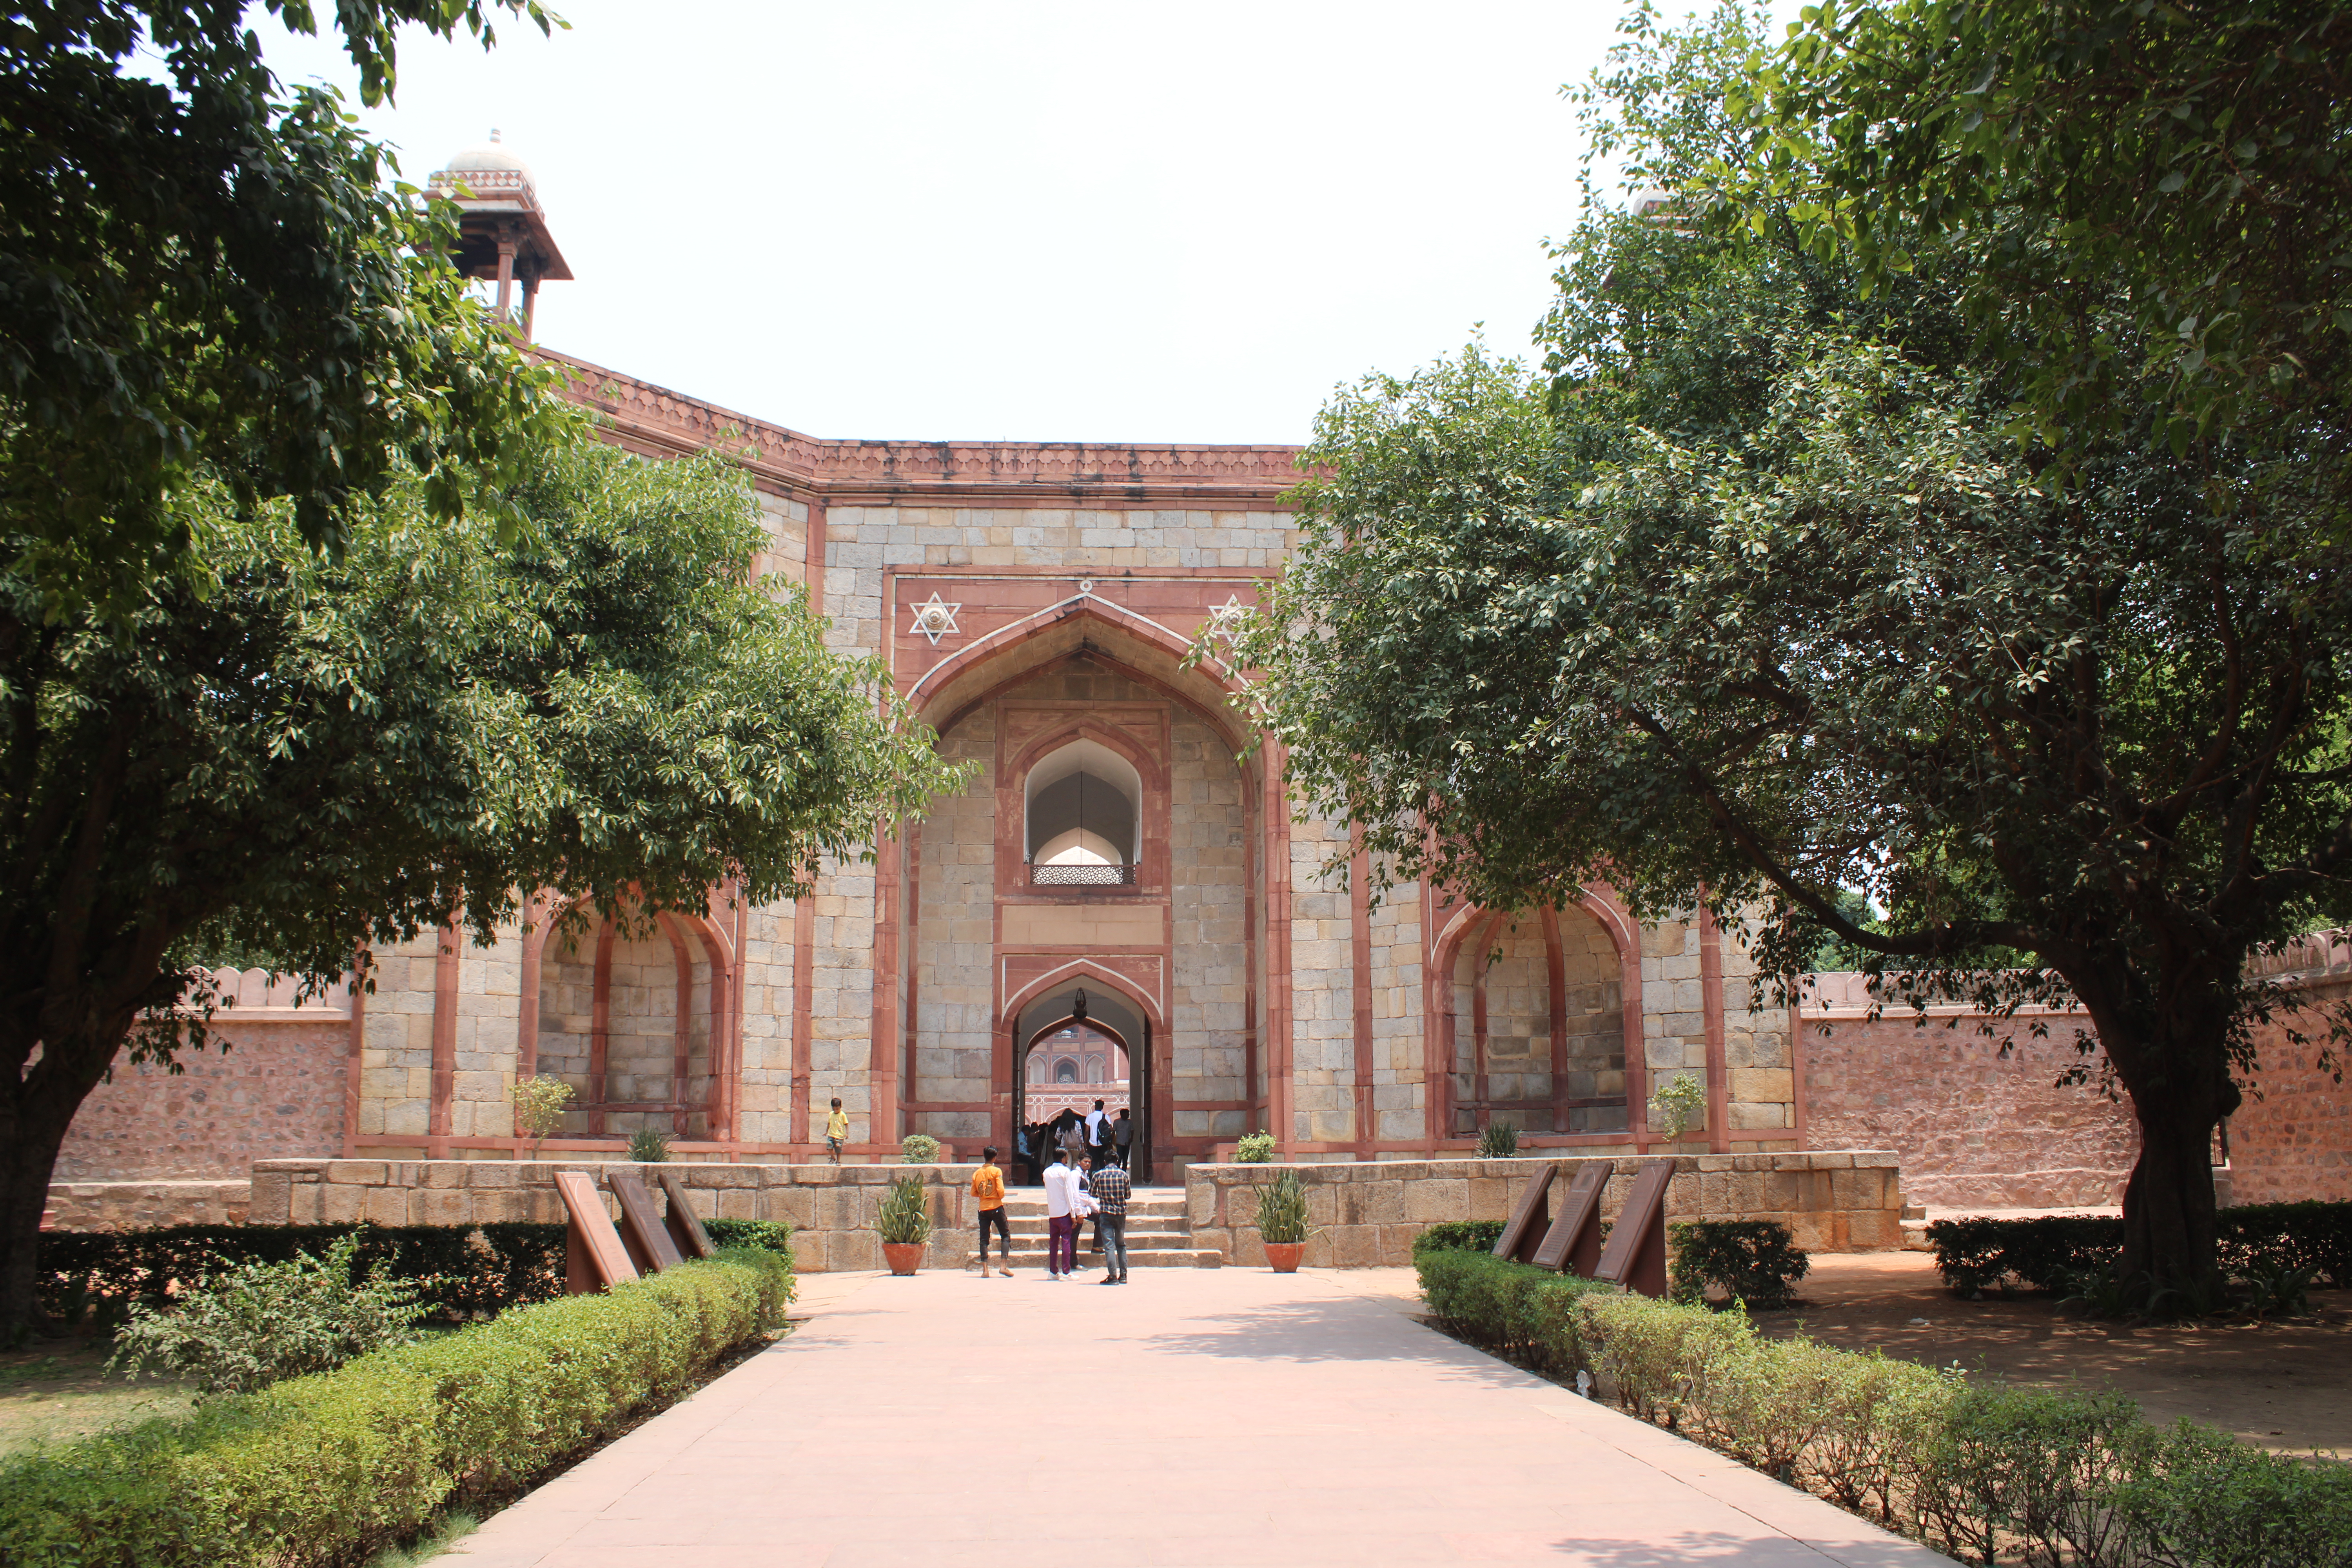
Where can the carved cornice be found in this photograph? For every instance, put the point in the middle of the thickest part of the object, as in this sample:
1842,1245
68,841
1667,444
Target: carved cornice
658,422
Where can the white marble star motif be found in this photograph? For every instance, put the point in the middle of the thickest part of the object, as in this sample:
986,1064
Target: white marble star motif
934,618
1222,616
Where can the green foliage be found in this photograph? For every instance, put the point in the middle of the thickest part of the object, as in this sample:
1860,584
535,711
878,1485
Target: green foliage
649,1146
2155,200
297,753
1282,1209
318,1470
1254,1149
1751,599
472,1270
1458,1235
918,1149
1525,1313
209,278
1679,1105
248,1325
906,1213
751,1235
1500,1140
1752,1262
2082,1254
1989,1475
539,1103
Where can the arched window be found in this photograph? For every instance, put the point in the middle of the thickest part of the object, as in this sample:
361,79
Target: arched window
1065,1071
1094,1069
1083,801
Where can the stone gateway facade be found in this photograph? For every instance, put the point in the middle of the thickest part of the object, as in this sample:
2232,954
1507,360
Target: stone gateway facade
1124,837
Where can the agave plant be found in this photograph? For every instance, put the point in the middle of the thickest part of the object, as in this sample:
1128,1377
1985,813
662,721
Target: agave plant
1282,1210
906,1216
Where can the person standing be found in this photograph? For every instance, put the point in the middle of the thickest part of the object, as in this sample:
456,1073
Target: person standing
1122,1137
1096,1122
1061,1219
1070,1136
988,1192
1109,1189
836,1130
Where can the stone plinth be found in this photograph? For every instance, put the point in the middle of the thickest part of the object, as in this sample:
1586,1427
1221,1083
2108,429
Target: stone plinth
127,1206
831,1208
1368,1214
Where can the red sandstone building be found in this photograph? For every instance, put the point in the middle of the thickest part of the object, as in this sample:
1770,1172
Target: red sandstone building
1126,835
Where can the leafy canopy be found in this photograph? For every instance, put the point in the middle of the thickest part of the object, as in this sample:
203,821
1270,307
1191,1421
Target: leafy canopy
206,282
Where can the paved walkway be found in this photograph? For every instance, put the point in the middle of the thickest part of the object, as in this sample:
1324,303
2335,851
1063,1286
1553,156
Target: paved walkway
1197,1417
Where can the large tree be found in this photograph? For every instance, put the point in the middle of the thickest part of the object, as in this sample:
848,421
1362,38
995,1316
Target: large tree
1756,600
208,279
293,752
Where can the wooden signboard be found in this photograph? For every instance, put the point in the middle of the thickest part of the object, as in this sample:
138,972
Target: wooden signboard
641,1231
1530,1217
685,1225
1573,1243
594,1256
1635,1256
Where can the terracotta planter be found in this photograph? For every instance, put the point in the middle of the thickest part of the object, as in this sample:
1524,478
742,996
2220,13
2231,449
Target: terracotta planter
905,1256
1283,1256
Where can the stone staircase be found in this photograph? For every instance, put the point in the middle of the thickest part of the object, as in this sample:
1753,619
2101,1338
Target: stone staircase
1159,1234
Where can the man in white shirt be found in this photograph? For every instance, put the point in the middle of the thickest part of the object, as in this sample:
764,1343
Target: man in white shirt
1062,1191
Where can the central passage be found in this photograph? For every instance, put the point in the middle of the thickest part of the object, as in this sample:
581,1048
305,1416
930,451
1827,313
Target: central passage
1200,1417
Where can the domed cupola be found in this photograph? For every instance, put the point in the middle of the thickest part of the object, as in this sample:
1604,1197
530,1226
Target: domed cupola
502,229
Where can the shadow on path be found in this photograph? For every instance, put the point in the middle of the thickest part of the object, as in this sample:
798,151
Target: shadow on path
1346,1330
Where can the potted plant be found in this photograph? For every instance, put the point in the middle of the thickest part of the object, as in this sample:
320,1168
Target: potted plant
1282,1222
905,1224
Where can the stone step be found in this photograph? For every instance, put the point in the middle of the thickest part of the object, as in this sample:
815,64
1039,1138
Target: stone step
1134,1243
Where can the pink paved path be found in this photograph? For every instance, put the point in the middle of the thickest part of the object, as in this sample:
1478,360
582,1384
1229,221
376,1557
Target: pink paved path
1199,1417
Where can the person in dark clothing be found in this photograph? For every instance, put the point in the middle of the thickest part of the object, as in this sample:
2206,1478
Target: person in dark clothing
1122,1139
1109,1188
1070,1138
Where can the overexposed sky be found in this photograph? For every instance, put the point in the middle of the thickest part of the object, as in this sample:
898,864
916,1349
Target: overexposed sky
923,220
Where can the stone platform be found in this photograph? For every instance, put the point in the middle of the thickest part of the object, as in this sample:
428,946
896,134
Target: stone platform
1365,1214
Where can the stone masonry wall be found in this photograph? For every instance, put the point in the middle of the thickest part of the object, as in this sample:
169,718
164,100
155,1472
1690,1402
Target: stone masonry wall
1401,1079
2292,1139
954,992
277,1092
1207,884
1322,990
1973,1130
1368,1214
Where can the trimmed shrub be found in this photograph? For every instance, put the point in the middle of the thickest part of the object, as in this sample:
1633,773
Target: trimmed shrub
1517,1310
469,1271
918,1149
1989,1475
759,1235
318,1470
2048,1252
254,1324
1254,1149
1458,1235
2054,1252
1752,1262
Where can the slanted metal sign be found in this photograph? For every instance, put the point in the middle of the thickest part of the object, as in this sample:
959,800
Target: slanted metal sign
594,1256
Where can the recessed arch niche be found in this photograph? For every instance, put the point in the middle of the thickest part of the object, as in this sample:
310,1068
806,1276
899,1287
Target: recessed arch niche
1082,803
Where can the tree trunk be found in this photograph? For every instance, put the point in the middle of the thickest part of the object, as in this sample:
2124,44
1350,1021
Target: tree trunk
25,1169
36,1112
2170,1225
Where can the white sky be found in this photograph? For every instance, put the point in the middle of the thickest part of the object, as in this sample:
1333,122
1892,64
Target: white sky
926,219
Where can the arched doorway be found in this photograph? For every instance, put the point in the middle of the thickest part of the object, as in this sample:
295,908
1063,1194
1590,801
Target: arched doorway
1069,1054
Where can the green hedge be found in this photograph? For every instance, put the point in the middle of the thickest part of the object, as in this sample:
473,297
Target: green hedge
1458,1235
1988,1475
320,1470
482,1270
2045,1252
1753,1261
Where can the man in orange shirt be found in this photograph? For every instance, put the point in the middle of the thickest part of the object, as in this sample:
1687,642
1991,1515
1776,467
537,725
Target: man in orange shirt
988,1192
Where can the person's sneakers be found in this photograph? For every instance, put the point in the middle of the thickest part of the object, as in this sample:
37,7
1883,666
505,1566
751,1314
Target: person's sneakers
1006,1272
1107,1280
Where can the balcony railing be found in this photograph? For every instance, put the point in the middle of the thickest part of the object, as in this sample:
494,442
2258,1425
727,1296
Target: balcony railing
1081,875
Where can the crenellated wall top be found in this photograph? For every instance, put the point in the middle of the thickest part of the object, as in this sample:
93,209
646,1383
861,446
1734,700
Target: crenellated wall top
657,421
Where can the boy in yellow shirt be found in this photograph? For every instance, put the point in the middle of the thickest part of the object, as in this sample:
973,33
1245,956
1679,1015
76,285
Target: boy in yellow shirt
836,1130
988,1193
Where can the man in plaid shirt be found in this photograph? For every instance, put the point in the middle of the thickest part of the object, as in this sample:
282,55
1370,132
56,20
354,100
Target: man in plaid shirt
1110,1187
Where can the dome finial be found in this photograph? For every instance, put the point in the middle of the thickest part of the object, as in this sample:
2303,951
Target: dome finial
494,134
